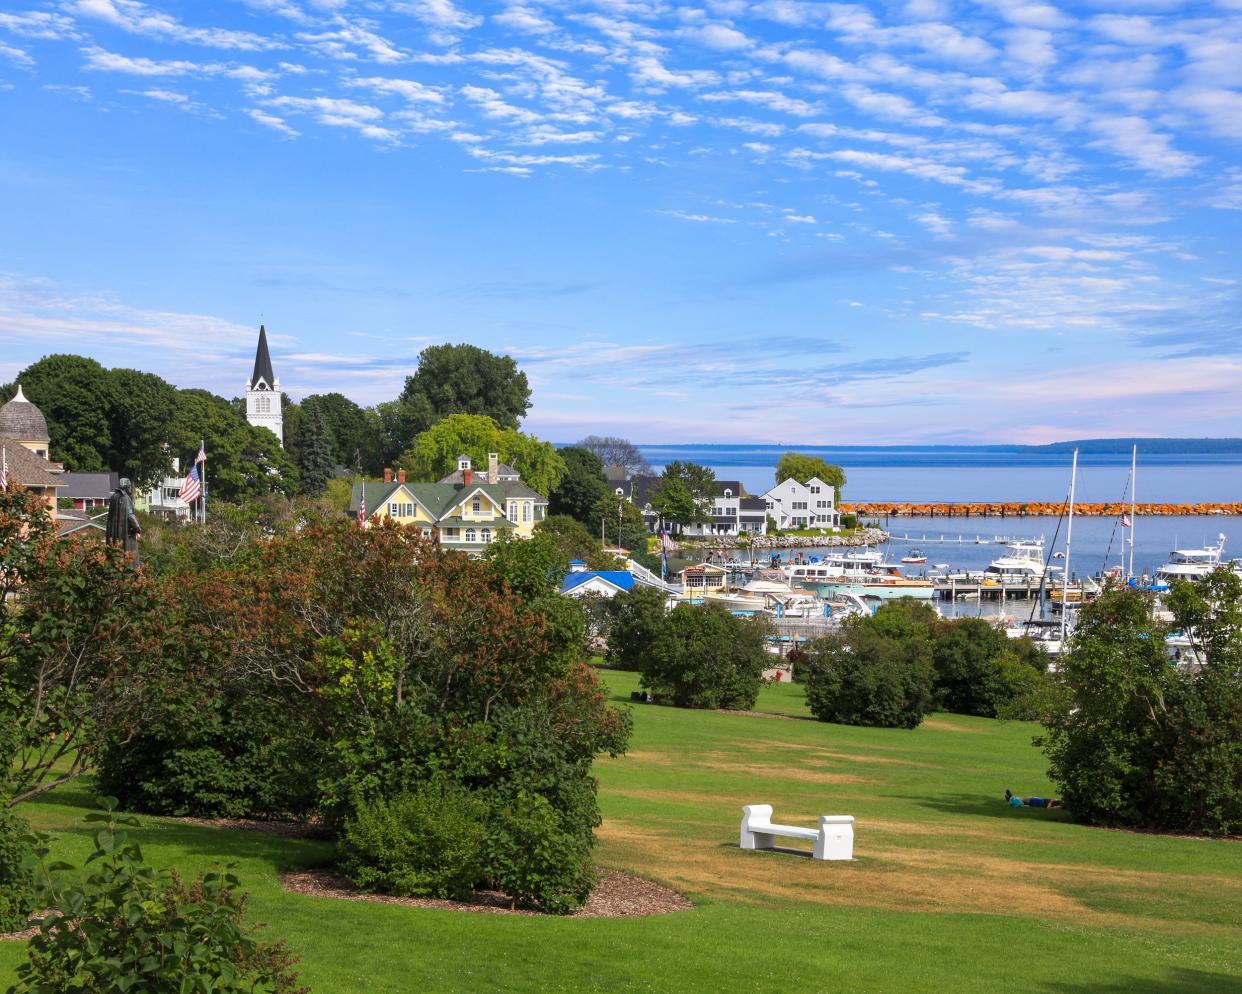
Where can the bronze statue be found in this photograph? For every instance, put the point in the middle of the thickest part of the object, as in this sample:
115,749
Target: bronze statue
123,528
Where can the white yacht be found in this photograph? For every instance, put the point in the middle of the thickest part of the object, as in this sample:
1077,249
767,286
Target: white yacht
864,574
1191,564
1022,561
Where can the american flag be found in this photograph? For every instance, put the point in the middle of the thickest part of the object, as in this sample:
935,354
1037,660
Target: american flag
4,469
191,489
362,508
202,453
1125,521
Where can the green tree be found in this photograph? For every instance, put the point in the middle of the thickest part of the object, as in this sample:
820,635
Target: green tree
242,460
140,418
634,618
621,523
705,657
465,379
684,494
390,428
572,539
981,671
876,670
1134,741
795,466
346,423
290,424
434,453
75,397
316,462
581,488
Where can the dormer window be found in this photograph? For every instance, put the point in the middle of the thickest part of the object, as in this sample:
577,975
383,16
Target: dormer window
476,507
620,492
728,492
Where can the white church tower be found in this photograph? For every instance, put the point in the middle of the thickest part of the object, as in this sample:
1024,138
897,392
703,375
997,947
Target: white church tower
263,392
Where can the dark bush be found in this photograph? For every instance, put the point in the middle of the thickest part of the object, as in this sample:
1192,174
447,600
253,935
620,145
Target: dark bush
876,671
634,617
705,657
227,755
981,671
426,843
849,520
17,887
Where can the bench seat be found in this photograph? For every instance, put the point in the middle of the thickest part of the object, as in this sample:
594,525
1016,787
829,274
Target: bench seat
834,839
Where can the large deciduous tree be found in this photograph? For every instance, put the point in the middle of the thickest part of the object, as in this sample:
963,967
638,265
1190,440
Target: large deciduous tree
620,522
465,379
613,451
75,396
242,460
140,420
684,494
795,466
581,488
434,453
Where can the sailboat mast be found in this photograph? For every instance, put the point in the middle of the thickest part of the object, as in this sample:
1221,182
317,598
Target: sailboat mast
1133,482
1069,535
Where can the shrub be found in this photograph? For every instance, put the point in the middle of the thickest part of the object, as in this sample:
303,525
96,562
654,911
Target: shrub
17,889
536,859
704,657
634,617
981,671
426,843
231,755
849,520
875,671
126,927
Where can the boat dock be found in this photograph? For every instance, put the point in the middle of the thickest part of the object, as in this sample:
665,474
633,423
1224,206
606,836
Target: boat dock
955,588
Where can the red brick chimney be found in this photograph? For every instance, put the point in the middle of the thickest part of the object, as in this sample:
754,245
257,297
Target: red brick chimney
400,476
466,476
388,475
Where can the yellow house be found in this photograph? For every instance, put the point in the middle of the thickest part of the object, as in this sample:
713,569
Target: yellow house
466,515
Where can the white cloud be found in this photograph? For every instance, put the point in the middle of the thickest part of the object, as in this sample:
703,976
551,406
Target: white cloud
138,18
15,54
272,121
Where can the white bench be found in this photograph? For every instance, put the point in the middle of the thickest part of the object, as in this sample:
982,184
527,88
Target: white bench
834,838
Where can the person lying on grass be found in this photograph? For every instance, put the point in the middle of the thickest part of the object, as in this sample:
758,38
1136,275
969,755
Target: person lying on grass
1014,801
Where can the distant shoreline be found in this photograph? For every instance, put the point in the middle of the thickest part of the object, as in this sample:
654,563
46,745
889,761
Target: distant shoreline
1032,509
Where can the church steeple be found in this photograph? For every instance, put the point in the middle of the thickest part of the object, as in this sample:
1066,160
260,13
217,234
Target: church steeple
263,393
262,364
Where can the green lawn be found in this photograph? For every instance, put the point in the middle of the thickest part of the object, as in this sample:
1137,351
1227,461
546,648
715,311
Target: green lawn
951,890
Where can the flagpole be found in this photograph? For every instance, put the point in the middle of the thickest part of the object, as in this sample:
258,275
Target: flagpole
1133,515
202,447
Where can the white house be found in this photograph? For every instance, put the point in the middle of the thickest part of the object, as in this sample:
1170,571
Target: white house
803,505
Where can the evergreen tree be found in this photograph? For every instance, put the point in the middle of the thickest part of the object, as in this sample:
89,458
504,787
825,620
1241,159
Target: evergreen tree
315,453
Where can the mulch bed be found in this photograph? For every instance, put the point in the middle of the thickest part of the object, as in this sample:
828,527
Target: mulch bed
616,895
285,829
27,933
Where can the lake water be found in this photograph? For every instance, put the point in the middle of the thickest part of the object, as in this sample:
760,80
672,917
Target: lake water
998,474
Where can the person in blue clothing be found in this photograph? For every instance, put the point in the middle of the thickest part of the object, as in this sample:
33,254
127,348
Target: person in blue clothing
1014,801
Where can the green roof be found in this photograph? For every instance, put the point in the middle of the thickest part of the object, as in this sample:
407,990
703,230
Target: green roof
438,498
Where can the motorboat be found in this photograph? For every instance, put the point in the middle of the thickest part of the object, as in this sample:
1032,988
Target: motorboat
914,557
1021,562
1191,564
863,574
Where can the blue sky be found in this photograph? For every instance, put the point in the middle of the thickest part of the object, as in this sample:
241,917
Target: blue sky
910,221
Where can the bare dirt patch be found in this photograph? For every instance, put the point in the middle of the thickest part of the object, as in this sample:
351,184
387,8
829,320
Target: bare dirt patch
285,829
940,725
616,895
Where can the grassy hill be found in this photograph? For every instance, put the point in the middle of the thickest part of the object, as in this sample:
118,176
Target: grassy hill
951,890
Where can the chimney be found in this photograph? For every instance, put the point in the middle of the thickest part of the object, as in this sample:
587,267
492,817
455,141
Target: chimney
400,476
388,475
466,476
493,467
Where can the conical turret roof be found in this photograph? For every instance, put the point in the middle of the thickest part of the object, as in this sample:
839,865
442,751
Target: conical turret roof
22,420
262,363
